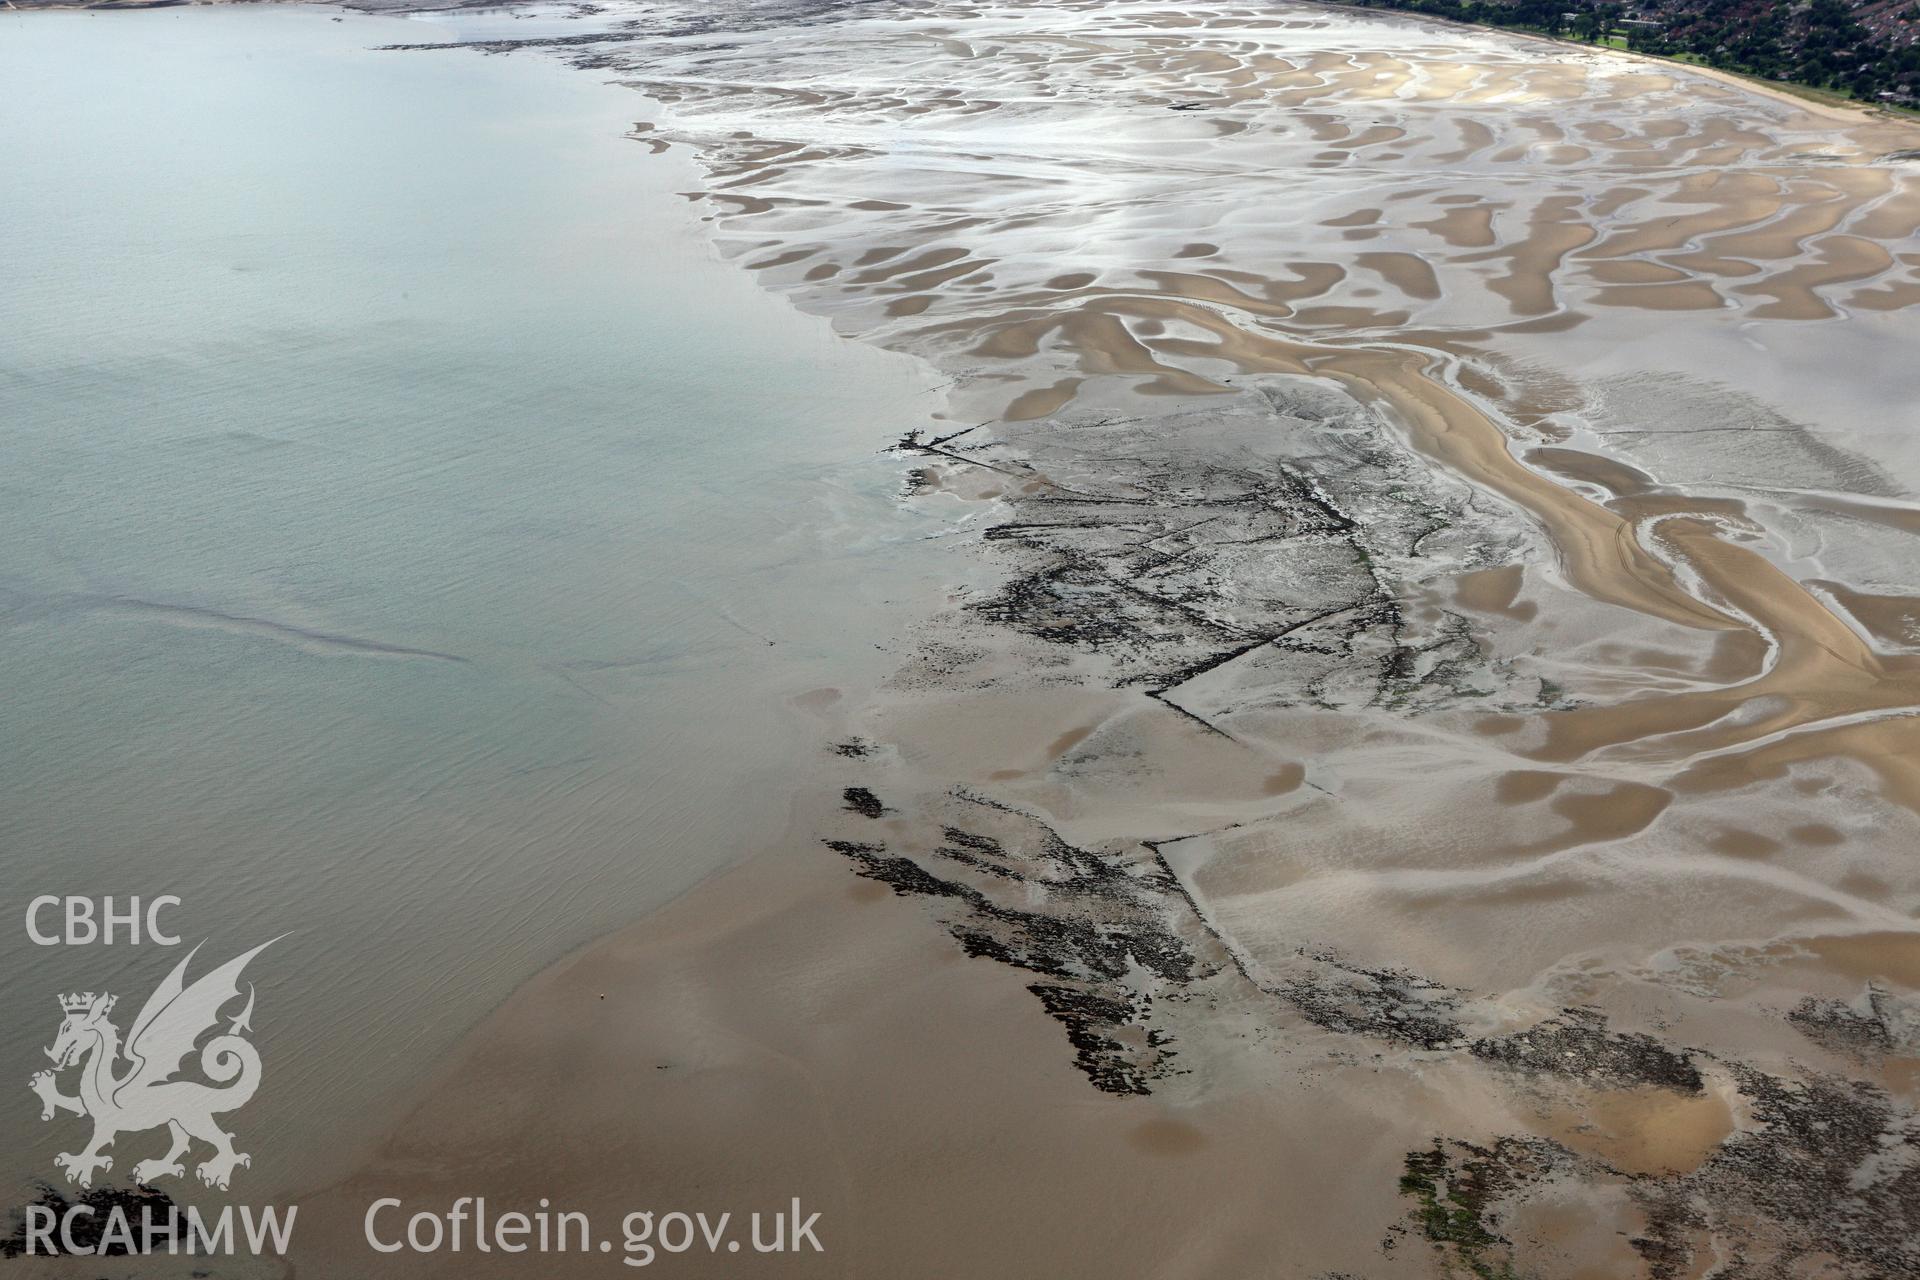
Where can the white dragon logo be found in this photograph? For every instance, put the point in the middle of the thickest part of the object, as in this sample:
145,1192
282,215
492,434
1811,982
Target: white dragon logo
146,1096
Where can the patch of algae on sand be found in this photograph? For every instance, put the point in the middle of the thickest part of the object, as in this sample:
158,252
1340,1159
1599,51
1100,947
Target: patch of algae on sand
1451,1203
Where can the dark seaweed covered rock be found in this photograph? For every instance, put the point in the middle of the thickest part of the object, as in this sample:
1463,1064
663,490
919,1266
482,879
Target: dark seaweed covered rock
1389,1004
863,802
1578,1045
1867,1028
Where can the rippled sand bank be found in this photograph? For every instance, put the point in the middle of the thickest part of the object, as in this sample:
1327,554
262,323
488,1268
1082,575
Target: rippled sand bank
1437,754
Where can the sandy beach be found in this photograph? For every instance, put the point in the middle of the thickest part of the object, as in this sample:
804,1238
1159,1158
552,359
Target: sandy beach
1421,774
1438,735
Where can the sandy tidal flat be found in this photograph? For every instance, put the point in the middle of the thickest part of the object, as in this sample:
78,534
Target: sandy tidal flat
1431,788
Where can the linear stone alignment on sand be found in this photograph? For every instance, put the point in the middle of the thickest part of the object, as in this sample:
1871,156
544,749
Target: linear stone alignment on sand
1451,509
1251,549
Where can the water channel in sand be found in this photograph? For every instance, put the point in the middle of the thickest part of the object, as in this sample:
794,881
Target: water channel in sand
1441,731
1452,676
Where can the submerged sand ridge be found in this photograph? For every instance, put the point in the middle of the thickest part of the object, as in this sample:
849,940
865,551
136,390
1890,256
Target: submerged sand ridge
1484,771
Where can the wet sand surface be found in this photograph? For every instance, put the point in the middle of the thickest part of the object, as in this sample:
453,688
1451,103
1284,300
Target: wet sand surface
1431,785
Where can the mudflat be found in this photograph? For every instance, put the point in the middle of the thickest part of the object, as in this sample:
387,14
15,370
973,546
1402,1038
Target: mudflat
1428,784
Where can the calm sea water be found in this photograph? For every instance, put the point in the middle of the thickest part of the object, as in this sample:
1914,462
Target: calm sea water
411,536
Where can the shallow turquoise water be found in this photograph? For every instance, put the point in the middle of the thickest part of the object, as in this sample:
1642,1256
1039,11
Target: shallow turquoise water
410,535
